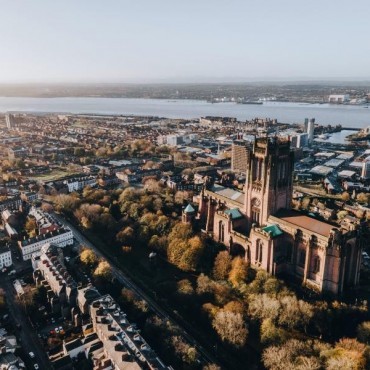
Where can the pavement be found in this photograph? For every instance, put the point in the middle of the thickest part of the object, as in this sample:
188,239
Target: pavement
205,356
29,340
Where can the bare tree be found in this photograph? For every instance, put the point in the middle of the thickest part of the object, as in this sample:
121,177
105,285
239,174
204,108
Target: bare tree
231,327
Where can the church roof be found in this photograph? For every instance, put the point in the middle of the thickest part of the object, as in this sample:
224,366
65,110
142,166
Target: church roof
232,194
234,213
189,209
305,222
273,230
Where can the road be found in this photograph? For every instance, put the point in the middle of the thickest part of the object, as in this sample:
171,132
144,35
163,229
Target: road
28,336
205,356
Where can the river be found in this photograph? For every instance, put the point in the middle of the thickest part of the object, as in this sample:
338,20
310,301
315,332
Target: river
325,114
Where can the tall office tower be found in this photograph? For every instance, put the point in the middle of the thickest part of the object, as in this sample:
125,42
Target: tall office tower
365,173
310,130
305,124
9,120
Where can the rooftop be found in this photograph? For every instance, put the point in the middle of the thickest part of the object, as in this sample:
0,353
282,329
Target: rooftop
232,194
234,213
273,230
123,344
189,209
305,222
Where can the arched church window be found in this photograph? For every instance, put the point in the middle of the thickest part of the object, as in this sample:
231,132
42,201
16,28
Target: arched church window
259,251
302,257
221,231
316,264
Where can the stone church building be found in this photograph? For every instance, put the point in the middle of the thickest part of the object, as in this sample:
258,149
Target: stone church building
260,224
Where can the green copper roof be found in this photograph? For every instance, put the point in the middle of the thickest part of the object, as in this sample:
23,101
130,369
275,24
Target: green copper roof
234,213
189,209
273,230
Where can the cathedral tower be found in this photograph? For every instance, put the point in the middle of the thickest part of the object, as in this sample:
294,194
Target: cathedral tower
268,185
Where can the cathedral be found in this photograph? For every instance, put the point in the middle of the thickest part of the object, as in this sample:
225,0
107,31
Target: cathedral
260,224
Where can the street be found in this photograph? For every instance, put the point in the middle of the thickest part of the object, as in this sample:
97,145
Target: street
28,335
205,356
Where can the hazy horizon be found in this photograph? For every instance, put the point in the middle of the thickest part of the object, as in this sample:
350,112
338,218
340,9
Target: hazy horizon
183,42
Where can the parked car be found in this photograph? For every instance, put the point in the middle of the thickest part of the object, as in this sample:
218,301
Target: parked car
32,355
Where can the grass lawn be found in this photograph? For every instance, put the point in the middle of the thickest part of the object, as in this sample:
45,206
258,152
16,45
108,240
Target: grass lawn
53,176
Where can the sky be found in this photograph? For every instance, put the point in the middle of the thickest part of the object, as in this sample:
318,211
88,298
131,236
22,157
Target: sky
183,40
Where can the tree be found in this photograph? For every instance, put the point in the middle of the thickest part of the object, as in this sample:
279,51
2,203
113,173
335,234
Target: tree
222,266
239,271
47,207
126,236
183,350
211,367
204,284
293,354
363,198
31,224
103,270
363,332
180,231
262,306
235,307
66,203
347,354
345,196
231,328
270,333
341,214
184,253
184,287
294,313
88,257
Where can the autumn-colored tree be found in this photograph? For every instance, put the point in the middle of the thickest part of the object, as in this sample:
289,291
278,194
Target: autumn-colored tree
238,272
88,257
348,353
103,270
66,202
158,243
363,332
180,231
204,284
222,266
363,197
31,224
235,307
211,367
345,196
184,287
126,236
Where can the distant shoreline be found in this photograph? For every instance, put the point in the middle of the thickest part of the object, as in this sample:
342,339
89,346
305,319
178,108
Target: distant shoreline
351,116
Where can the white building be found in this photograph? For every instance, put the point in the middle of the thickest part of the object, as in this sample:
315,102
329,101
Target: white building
60,237
299,140
338,98
79,183
174,140
5,256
